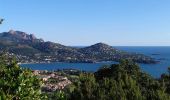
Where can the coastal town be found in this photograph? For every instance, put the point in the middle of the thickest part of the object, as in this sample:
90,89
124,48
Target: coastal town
54,80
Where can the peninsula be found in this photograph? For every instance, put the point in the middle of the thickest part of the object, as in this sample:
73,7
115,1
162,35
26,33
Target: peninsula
29,49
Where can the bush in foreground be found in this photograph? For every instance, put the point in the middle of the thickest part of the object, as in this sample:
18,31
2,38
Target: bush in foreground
17,83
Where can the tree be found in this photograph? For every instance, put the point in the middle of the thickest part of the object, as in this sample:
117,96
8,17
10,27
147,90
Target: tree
17,83
123,81
1,20
165,79
57,95
85,88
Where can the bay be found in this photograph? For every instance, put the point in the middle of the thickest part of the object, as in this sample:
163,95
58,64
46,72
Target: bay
160,53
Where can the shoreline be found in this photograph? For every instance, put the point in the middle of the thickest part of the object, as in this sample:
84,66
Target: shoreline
83,62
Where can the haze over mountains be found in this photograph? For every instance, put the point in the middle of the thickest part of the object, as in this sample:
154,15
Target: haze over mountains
28,48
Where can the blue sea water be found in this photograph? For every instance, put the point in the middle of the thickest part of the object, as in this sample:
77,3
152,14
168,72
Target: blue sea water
159,53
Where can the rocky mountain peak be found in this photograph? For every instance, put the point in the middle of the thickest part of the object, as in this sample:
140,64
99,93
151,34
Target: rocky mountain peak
19,35
32,36
12,32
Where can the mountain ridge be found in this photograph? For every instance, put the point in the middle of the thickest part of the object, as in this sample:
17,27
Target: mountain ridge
29,48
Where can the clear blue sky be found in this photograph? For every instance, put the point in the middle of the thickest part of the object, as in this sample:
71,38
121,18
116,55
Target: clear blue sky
85,22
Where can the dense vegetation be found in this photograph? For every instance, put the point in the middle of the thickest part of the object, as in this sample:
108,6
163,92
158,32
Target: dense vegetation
17,83
124,81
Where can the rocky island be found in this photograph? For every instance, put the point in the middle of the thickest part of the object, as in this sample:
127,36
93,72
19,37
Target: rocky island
29,49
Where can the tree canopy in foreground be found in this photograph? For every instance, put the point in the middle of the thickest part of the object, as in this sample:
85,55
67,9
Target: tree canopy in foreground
123,81
17,83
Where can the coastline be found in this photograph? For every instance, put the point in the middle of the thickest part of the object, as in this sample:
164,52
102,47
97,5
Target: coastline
157,62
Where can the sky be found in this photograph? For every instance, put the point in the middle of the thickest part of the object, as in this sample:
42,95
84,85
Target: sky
86,22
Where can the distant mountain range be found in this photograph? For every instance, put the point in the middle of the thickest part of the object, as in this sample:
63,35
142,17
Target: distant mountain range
29,49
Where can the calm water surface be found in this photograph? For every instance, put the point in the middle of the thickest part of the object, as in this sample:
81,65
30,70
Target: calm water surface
159,53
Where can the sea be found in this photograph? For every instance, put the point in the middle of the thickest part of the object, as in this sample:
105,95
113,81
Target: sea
160,53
